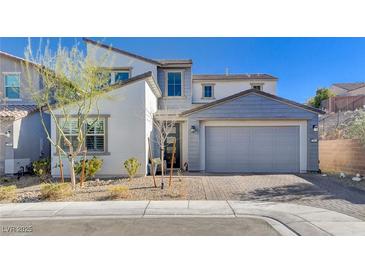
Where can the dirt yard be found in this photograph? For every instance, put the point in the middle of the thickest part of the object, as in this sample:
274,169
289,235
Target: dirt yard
28,189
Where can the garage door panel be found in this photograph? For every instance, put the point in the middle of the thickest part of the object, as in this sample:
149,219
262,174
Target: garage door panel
252,149
238,154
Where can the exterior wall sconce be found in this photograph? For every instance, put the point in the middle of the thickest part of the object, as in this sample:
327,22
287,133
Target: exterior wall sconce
315,128
6,134
193,129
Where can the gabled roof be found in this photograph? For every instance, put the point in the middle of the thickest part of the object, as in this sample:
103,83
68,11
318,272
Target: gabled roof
3,53
251,76
16,111
350,86
162,62
247,92
121,51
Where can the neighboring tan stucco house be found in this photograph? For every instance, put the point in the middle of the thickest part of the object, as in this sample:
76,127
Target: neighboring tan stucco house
348,89
226,123
22,136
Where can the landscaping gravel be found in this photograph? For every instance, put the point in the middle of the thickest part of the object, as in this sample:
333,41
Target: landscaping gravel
97,190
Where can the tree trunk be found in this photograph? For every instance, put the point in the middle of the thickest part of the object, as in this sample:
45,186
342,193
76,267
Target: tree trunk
72,172
82,178
162,166
152,163
172,161
71,162
61,165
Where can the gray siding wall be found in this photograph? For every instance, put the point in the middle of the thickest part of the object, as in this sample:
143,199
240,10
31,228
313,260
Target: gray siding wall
312,156
31,135
175,103
8,64
253,107
4,126
193,145
28,145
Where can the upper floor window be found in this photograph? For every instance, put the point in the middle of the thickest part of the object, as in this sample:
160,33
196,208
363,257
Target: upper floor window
207,91
174,83
257,86
121,75
12,86
118,76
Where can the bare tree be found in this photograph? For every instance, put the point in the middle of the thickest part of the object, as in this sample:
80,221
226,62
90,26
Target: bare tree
71,86
163,125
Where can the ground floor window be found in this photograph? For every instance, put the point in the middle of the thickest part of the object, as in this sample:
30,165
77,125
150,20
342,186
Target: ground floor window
93,132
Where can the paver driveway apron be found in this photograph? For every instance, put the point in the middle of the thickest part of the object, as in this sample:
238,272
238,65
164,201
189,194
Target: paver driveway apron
305,189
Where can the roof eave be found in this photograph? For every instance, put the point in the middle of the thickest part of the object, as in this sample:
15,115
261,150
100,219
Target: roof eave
245,93
133,55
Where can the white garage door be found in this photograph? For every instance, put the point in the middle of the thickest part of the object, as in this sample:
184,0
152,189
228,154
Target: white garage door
252,149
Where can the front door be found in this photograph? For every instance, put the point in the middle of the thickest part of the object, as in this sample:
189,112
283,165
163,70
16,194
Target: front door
173,136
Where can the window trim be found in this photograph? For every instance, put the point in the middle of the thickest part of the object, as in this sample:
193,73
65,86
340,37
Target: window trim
97,134
166,90
4,86
258,84
203,91
106,135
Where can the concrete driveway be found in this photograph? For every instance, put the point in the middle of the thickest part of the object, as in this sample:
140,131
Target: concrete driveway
305,189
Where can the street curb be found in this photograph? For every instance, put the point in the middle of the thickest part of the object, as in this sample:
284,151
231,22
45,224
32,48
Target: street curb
287,219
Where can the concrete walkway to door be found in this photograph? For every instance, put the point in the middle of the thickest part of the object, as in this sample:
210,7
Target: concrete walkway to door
305,189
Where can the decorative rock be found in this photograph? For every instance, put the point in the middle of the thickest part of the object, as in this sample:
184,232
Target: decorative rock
356,179
342,175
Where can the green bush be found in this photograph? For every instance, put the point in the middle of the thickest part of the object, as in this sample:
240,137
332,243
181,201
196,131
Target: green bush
42,168
92,166
56,191
132,165
117,192
7,193
321,94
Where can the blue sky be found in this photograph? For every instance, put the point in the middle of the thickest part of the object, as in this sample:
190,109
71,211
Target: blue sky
301,64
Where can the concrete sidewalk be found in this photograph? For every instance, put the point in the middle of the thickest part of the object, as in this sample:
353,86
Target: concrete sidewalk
287,219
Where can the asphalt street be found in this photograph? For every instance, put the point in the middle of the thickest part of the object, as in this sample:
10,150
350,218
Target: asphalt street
180,226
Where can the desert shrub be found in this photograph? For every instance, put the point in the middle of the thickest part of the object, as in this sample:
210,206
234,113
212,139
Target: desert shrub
42,168
117,192
56,191
356,128
7,193
92,166
4,180
132,165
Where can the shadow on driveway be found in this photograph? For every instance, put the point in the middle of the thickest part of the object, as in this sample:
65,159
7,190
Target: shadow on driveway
315,187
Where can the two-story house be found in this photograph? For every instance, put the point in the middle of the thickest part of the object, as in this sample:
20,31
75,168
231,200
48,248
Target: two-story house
22,136
225,123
